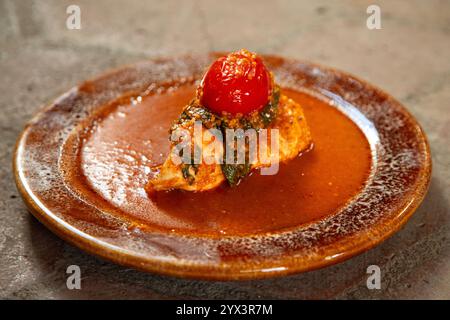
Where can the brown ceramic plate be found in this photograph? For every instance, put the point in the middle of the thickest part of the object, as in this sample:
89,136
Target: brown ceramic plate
400,168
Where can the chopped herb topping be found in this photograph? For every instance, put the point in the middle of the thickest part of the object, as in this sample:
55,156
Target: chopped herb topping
194,111
234,173
189,171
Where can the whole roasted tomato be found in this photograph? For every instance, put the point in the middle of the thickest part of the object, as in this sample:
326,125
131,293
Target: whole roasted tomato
236,83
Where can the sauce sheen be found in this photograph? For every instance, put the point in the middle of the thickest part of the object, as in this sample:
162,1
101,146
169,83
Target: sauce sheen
118,155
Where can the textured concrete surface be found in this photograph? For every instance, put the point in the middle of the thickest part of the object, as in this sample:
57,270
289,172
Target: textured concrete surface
408,57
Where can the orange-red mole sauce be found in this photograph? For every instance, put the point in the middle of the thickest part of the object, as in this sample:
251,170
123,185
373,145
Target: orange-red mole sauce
118,155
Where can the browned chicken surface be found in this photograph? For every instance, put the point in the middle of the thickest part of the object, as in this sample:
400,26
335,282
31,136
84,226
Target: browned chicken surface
294,137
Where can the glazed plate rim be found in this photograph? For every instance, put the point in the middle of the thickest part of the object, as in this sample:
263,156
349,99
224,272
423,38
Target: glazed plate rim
246,257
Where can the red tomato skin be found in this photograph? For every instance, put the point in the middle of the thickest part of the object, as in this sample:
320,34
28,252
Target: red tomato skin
236,83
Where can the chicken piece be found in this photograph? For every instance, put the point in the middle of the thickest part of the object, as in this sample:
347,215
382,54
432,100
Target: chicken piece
294,137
